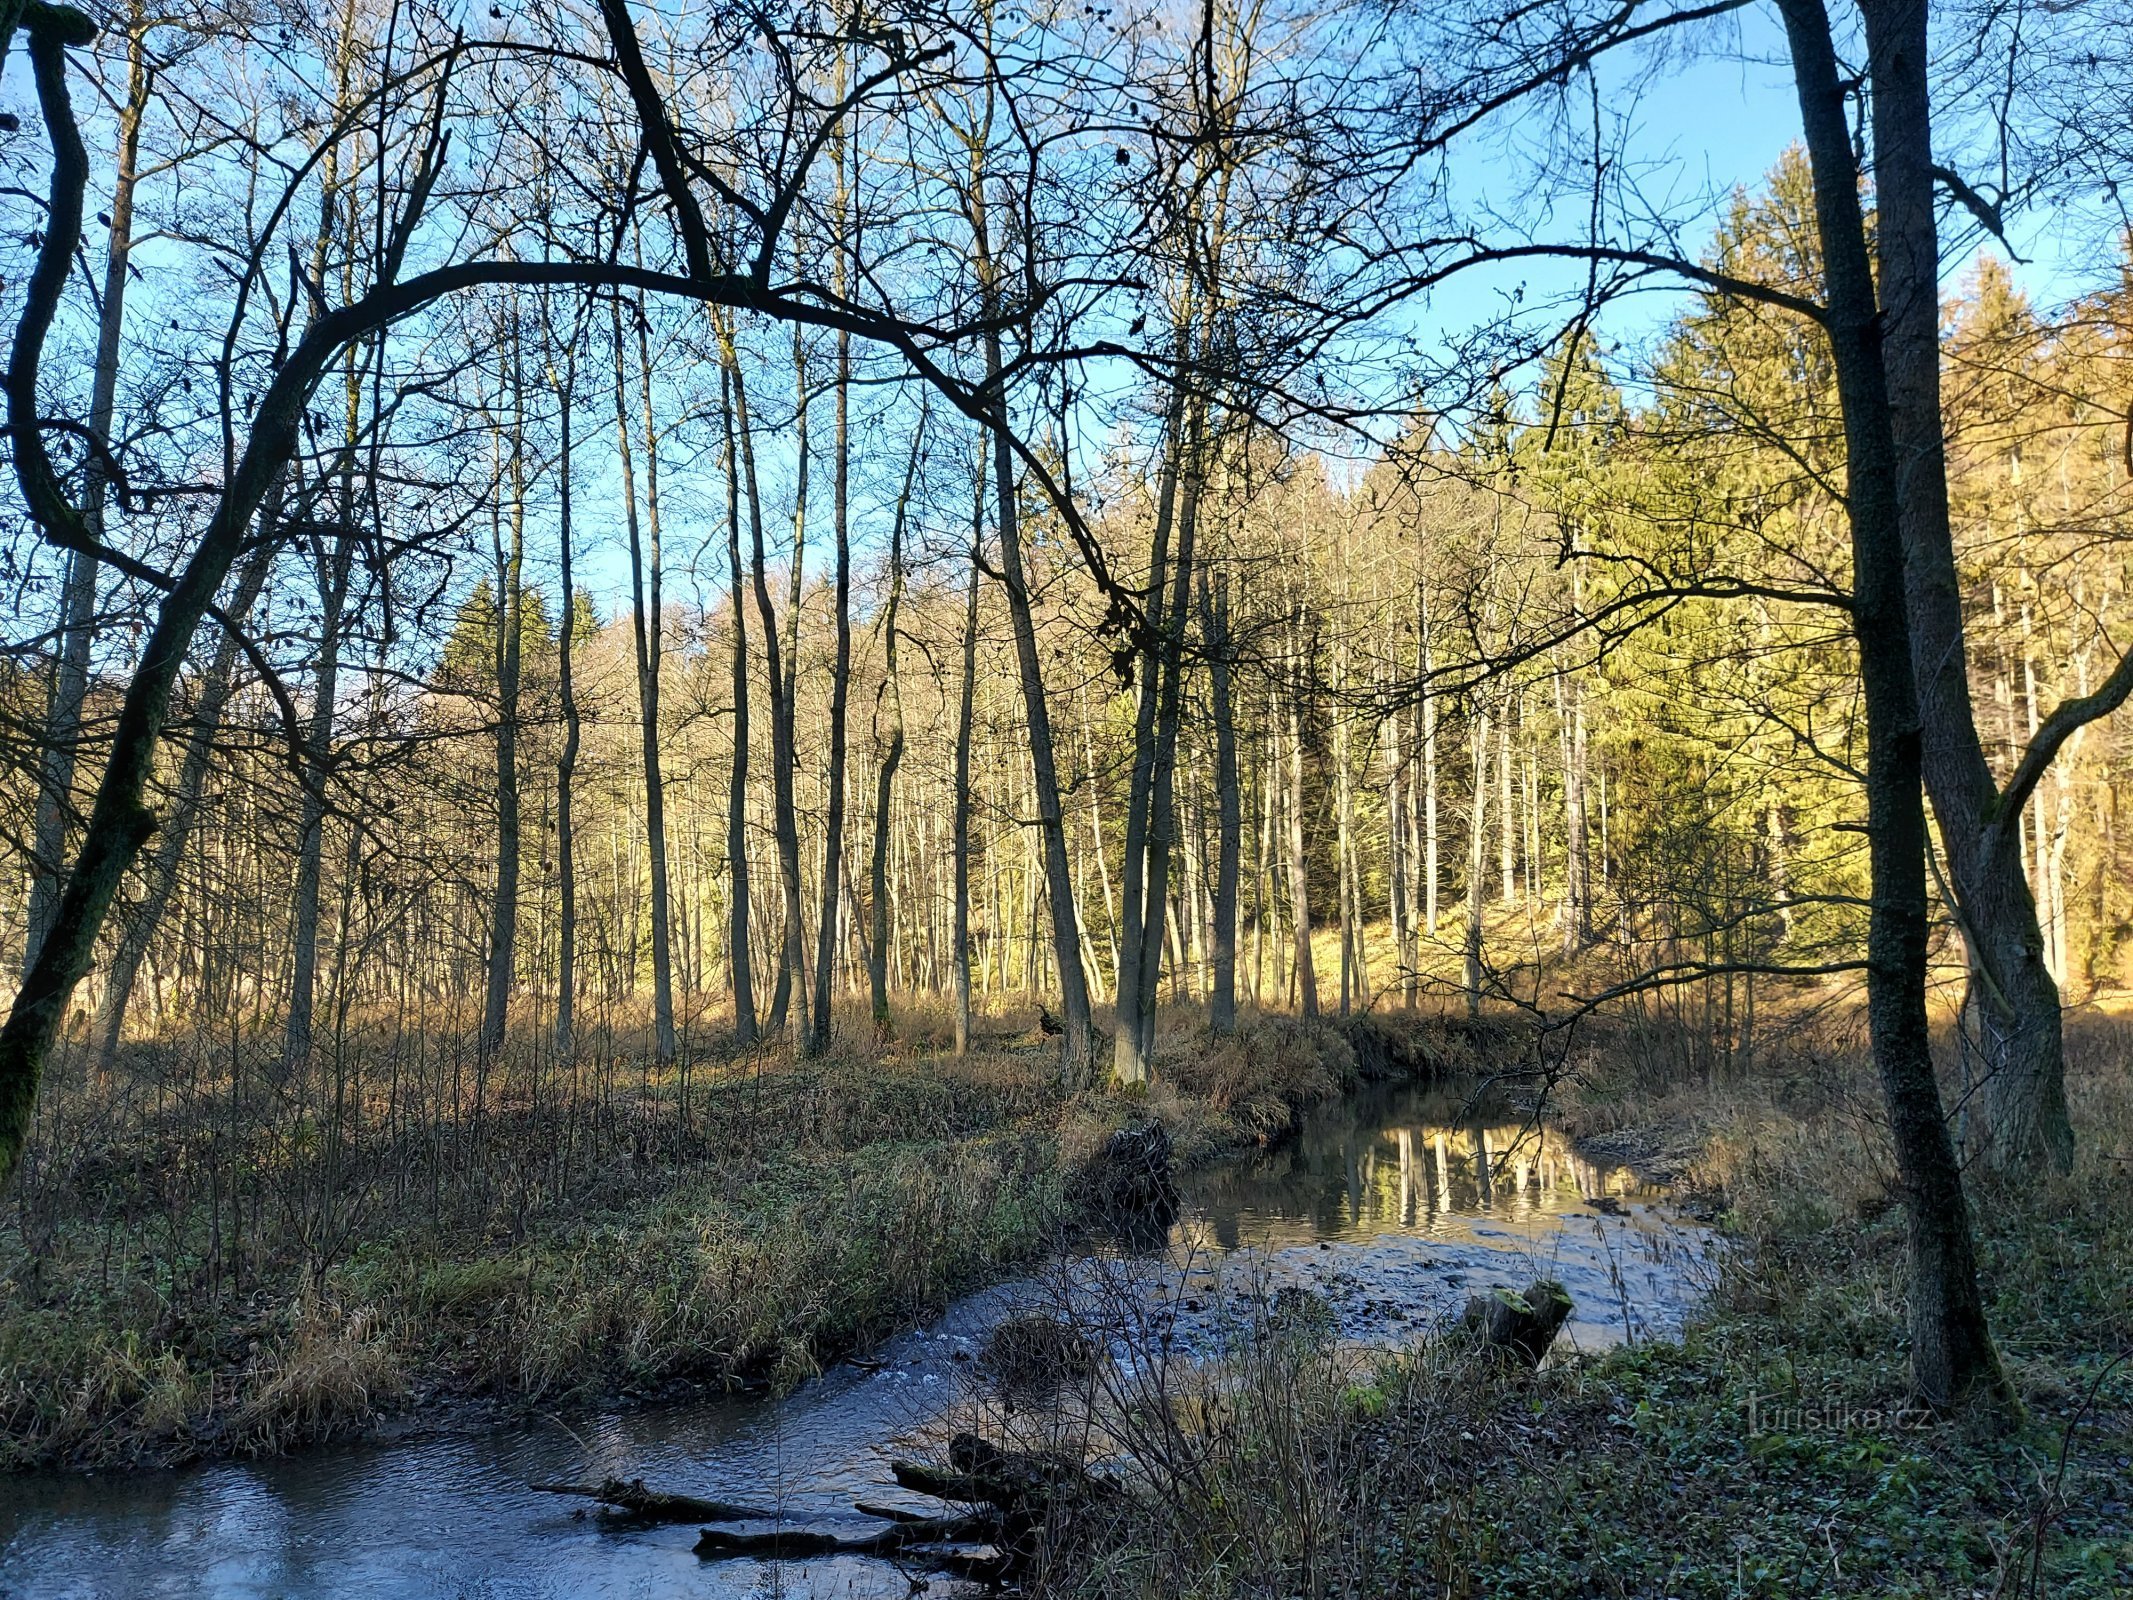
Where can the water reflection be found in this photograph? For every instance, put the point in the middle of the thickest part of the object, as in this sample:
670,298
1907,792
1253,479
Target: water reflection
1404,1164
1391,1210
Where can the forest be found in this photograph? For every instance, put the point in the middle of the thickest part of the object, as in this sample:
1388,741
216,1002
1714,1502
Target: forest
699,700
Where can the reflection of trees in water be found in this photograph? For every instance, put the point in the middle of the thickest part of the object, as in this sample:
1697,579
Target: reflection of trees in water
1403,1174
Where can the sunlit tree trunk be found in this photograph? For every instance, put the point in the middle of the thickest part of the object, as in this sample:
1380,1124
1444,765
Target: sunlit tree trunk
1477,859
1299,864
1077,1025
646,603
1229,802
892,753
510,623
959,936
1952,1358
739,960
566,766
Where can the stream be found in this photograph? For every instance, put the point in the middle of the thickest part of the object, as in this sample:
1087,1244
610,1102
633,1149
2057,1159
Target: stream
1390,1209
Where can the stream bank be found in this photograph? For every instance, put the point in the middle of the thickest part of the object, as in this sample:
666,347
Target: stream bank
1385,1210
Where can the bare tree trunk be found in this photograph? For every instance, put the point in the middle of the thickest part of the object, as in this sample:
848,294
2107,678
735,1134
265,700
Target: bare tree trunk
1577,875
1399,911
1344,839
646,603
1431,839
510,622
1506,852
160,879
959,939
738,958
1129,1042
1229,801
1952,1358
2025,1085
1077,1025
783,668
1299,865
892,756
566,766
333,559
818,1036
1477,858
1162,789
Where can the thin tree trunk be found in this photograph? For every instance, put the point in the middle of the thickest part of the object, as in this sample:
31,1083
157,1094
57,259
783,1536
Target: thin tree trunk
1129,1041
1077,1025
1299,866
1162,791
566,766
1432,840
160,879
788,1003
646,603
333,557
893,754
818,1036
1577,874
510,623
1214,612
959,940
1476,860
738,958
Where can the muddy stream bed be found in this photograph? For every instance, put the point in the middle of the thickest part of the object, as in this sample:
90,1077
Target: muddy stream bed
1390,1210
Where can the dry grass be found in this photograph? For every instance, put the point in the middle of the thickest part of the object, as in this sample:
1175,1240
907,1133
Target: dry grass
1678,1470
208,1257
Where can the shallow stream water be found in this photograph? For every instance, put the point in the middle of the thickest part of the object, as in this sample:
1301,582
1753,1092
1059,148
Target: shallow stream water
1390,1209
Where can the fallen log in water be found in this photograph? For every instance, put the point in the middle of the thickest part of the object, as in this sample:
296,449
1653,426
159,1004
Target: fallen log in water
1021,1488
633,1497
793,1544
979,1472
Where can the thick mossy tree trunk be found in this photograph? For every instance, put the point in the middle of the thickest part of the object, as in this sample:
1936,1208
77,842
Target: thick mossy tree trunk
1953,1363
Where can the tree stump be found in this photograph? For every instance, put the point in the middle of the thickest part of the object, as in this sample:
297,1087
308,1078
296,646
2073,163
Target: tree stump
1521,1325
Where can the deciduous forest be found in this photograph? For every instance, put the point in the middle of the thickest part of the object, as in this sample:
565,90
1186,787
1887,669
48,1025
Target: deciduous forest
1359,763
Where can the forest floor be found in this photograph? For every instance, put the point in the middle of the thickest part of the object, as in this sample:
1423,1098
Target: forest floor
210,1269
1773,1452
204,1257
